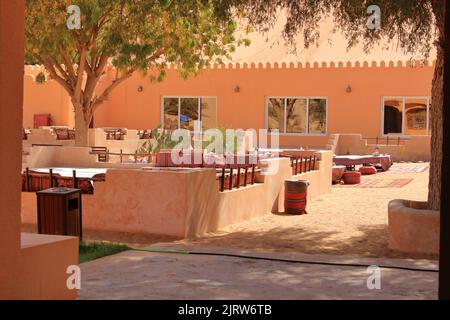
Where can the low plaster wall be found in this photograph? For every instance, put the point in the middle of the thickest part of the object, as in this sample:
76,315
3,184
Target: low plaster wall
184,203
70,157
412,228
131,142
416,148
45,136
44,260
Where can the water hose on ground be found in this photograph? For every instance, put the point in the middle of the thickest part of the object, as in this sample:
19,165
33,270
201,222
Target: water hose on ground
230,255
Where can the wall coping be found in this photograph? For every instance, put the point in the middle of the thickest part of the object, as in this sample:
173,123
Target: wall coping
33,70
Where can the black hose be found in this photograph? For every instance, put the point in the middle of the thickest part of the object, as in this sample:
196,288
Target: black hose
352,265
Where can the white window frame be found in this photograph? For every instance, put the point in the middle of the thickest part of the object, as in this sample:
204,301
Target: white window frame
199,110
307,134
404,98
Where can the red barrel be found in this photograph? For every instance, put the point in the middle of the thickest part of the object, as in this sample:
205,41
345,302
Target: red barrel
295,196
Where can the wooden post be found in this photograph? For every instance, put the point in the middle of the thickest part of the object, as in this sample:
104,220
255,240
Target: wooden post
222,180
253,173
50,172
74,178
246,175
238,176
27,179
120,155
444,256
230,187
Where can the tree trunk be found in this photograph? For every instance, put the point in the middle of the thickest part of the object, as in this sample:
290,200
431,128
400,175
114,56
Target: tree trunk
437,107
81,126
437,104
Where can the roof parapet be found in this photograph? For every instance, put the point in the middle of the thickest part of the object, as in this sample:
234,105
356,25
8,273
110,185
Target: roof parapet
35,69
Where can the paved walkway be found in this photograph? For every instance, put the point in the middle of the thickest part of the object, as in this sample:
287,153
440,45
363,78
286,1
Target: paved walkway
144,275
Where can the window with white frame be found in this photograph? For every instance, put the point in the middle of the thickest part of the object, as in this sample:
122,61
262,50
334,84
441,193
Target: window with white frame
297,115
182,112
406,116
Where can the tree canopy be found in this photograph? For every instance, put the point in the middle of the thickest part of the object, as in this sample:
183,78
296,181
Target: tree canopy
413,25
133,35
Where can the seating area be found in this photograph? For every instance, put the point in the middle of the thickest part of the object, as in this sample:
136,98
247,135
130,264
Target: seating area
344,167
64,133
116,134
41,179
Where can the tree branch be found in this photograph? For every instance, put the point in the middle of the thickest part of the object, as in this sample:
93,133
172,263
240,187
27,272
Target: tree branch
100,99
68,65
81,69
53,73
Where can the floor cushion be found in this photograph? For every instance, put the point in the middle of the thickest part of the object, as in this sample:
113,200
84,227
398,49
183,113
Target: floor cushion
368,170
352,177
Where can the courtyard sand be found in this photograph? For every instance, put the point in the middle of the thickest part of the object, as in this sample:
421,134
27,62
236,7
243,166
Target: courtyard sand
348,221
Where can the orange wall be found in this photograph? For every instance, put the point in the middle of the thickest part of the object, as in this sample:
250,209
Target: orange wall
28,269
48,97
11,82
355,112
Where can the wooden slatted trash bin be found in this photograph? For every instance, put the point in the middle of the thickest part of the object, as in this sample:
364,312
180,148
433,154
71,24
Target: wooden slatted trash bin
59,212
295,196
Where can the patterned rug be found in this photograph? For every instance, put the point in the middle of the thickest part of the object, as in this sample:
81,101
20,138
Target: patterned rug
410,169
381,183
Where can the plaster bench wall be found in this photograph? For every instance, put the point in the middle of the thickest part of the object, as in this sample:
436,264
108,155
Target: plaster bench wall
412,229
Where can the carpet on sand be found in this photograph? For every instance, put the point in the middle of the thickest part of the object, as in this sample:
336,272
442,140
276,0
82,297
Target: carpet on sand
410,169
381,183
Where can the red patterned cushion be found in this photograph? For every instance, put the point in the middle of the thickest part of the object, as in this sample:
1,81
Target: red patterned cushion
38,181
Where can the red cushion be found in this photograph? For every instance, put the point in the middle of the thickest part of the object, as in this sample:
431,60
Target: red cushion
368,170
352,177
39,181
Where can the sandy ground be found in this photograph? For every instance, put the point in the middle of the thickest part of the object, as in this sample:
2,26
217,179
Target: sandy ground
348,221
